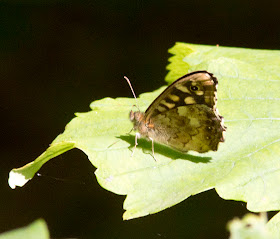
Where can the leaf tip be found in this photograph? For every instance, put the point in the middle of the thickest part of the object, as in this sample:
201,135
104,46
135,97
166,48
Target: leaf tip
17,179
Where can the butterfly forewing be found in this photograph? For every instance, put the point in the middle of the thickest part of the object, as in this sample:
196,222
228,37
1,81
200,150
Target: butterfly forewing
194,88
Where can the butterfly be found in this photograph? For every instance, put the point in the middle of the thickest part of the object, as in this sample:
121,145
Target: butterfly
184,116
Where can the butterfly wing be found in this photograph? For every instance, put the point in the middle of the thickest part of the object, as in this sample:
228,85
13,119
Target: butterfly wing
198,87
192,127
184,116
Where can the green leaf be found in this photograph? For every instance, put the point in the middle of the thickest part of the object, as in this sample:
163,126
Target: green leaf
246,166
20,176
251,226
36,230
274,225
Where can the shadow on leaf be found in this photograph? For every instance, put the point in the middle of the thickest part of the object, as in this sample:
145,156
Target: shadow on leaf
164,150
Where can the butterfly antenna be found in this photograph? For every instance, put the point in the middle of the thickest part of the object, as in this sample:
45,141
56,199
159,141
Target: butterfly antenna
128,81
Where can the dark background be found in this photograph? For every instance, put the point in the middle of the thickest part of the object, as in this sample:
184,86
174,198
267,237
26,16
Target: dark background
58,56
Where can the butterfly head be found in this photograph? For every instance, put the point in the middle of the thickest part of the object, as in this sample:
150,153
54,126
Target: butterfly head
136,117
139,122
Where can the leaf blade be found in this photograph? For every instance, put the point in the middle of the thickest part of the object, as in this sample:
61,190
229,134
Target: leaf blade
238,170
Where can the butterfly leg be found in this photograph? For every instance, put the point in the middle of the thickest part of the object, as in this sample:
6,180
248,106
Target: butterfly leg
153,148
137,136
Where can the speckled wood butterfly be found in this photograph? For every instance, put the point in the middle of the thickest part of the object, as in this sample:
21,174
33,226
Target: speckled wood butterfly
184,116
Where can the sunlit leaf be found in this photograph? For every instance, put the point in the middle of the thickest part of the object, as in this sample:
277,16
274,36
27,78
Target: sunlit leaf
251,226
246,166
36,230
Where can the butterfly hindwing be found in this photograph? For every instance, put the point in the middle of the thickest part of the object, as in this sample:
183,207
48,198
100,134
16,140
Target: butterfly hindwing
192,127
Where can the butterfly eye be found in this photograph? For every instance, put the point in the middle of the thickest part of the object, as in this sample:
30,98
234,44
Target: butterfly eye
194,88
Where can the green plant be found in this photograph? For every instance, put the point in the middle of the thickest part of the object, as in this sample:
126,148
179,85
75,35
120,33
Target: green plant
245,168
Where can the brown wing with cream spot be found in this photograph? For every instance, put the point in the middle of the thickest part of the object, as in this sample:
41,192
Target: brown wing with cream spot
193,127
198,87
